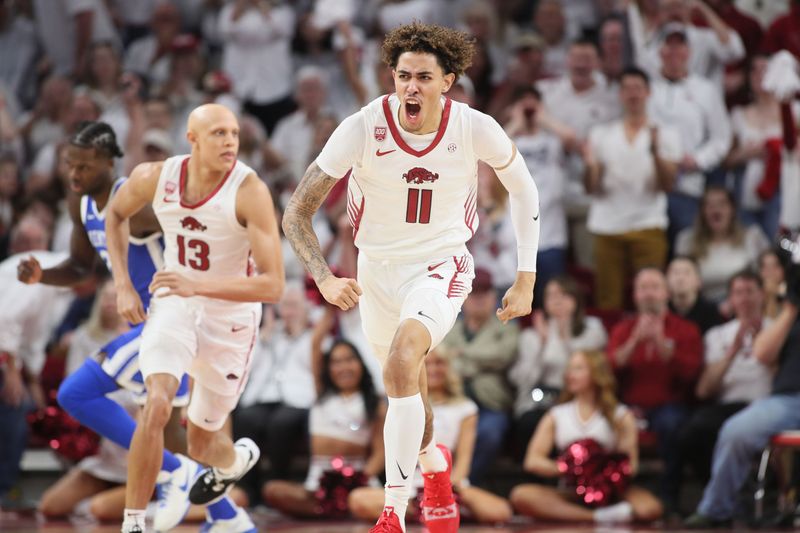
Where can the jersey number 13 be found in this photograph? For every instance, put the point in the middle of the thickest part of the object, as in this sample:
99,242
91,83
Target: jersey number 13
198,253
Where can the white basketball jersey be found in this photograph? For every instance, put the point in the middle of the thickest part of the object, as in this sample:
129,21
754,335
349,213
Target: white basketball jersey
414,205
204,240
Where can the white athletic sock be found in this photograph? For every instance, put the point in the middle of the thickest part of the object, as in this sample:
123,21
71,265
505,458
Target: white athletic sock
239,463
402,435
133,517
617,513
431,459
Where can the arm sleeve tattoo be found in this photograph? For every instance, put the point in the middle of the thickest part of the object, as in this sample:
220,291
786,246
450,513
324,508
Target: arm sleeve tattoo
309,195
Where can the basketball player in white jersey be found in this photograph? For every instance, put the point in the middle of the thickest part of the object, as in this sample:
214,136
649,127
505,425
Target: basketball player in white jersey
411,158
217,219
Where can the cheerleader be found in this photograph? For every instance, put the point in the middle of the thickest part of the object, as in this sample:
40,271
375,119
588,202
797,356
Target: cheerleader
588,409
346,428
455,422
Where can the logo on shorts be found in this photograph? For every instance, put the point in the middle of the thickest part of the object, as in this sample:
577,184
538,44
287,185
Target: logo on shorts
232,377
380,133
420,313
207,421
420,175
437,265
192,224
235,329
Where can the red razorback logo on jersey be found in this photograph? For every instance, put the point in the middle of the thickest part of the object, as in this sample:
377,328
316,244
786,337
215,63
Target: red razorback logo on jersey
420,175
192,224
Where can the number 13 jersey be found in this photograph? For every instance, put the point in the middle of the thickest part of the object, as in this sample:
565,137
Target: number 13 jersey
202,240
410,197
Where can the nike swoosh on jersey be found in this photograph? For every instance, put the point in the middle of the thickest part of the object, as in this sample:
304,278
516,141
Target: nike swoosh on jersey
234,329
381,154
437,265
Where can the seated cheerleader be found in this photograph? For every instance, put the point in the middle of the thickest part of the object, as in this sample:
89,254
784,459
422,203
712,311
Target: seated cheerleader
588,410
455,421
346,428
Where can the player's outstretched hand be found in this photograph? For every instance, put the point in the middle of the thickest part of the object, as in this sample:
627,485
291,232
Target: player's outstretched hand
341,292
174,283
29,271
129,305
517,302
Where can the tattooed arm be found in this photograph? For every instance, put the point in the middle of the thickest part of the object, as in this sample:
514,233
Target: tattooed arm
309,195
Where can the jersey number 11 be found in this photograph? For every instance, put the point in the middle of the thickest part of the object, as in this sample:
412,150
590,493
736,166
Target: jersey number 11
418,206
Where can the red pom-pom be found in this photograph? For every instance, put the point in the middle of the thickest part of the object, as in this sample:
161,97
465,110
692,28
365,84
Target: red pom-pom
62,433
335,486
598,477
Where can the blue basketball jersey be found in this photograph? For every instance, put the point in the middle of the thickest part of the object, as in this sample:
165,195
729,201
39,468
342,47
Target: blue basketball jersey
145,256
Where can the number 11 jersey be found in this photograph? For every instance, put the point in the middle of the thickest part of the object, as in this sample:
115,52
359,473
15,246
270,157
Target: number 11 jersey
410,197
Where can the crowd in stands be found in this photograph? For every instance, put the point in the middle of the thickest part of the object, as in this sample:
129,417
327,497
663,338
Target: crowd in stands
663,161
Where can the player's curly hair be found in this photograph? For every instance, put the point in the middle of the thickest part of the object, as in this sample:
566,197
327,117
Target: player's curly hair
453,49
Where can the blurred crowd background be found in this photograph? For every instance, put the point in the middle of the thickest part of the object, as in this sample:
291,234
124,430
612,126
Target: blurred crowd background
549,71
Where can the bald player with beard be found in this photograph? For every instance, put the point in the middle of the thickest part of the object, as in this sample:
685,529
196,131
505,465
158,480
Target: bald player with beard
222,258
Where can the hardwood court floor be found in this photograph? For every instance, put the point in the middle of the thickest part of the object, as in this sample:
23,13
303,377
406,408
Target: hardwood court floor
28,523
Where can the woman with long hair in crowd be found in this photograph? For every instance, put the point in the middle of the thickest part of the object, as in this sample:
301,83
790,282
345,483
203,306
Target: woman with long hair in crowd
558,331
720,244
754,125
346,429
455,424
588,409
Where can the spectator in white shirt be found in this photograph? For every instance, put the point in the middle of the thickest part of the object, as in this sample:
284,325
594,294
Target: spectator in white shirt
720,244
630,165
28,314
753,125
693,106
732,377
294,134
149,56
273,410
543,153
580,100
66,28
257,39
711,48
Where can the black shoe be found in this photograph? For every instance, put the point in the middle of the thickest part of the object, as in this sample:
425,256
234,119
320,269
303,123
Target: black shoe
699,521
211,486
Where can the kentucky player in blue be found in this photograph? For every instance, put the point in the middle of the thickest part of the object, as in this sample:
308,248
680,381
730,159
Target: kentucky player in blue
90,158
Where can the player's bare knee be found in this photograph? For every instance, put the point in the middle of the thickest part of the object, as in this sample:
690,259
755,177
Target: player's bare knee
157,411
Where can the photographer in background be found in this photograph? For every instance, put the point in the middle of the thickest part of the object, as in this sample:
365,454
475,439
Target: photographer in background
748,432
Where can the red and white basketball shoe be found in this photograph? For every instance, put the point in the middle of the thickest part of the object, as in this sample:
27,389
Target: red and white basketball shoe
387,523
440,512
